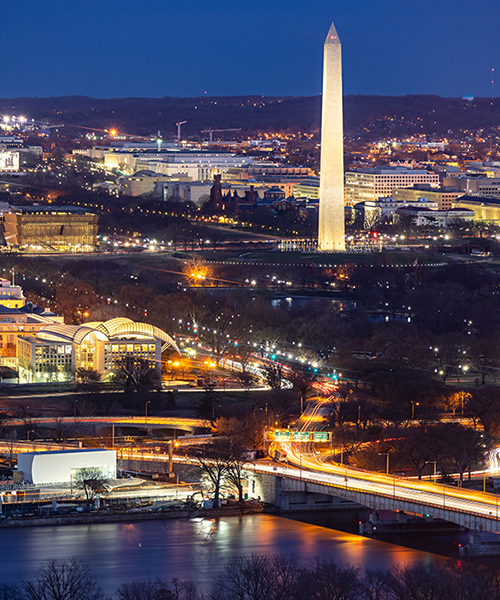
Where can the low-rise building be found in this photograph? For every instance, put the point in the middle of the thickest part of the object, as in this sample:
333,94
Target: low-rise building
486,208
370,213
11,296
142,182
63,466
438,218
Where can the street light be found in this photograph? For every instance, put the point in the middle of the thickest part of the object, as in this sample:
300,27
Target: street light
413,409
146,409
432,462
387,464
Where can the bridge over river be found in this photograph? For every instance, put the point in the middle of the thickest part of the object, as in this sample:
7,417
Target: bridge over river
471,509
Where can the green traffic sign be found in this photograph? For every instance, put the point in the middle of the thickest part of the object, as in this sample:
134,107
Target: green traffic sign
301,436
320,436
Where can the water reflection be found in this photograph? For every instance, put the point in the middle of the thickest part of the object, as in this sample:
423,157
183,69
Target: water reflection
186,549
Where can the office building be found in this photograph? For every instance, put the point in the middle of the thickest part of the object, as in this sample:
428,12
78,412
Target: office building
382,182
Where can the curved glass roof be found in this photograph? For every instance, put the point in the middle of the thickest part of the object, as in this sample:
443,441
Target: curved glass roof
107,330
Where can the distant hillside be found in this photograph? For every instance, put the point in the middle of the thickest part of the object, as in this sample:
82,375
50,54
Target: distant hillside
369,116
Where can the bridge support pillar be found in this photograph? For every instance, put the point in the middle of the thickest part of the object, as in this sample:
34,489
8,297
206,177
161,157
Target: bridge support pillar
402,517
374,518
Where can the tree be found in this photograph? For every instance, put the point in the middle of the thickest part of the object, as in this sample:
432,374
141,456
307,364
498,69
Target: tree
157,590
10,592
258,577
215,467
302,383
424,581
418,448
463,446
327,580
88,375
274,375
91,481
456,400
484,404
137,371
66,579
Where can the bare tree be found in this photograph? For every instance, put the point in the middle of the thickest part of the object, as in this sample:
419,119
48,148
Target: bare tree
157,590
137,371
91,481
66,579
10,592
257,577
215,466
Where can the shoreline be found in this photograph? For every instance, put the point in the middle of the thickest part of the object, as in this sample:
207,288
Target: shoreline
119,517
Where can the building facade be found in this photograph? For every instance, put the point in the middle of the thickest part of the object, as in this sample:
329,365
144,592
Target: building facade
51,229
382,182
106,347
444,197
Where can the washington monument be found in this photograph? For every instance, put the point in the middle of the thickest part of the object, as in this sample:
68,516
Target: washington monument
331,188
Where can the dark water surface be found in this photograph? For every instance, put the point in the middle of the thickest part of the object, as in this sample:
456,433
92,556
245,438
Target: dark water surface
187,549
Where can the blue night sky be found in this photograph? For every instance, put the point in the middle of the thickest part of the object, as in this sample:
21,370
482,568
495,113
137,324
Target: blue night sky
111,48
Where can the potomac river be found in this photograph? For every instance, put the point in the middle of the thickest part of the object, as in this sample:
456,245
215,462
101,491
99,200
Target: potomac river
196,549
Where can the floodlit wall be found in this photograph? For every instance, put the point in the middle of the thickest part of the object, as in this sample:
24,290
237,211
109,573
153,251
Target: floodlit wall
45,468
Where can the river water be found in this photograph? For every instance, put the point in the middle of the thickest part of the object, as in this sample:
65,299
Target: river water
190,549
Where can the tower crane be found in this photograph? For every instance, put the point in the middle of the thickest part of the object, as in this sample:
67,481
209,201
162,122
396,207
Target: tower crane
179,123
211,131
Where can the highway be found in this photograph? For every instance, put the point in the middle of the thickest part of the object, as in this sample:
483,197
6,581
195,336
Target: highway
313,466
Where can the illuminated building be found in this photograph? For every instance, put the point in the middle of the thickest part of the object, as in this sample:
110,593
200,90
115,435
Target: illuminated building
443,196
331,195
58,350
142,182
62,466
486,208
51,229
489,186
381,182
9,160
11,295
437,218
20,322
370,213
308,188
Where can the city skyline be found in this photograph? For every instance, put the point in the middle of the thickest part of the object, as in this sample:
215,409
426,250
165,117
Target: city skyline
111,50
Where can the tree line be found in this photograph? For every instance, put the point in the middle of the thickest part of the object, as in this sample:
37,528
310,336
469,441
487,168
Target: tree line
273,577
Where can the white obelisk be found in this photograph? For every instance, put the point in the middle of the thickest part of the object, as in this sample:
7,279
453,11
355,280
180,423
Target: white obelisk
331,189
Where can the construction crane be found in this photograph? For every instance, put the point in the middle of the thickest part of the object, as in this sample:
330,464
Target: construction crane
179,123
211,131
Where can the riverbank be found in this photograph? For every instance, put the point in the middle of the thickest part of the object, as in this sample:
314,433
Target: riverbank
131,517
